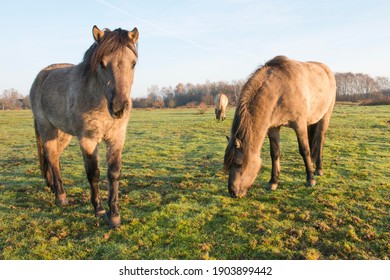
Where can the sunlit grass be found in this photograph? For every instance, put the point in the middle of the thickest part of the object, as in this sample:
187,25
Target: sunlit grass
174,200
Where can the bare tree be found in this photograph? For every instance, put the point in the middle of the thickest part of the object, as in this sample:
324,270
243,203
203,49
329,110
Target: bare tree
383,83
356,87
11,99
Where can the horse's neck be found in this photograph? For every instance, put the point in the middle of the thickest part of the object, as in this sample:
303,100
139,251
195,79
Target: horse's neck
261,122
89,90
259,134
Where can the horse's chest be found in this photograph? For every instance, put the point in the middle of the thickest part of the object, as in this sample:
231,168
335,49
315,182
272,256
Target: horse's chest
99,129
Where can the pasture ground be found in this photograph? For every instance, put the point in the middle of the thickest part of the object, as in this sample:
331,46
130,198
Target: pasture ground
174,200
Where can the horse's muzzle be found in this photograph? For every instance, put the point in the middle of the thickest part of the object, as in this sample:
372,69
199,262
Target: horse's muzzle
234,193
117,110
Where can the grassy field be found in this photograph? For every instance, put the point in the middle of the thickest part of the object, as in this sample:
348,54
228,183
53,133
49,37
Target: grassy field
174,200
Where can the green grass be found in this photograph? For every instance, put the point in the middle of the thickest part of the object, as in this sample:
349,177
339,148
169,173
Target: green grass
174,200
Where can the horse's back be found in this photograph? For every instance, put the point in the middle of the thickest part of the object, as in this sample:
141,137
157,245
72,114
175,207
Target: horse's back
44,74
224,100
316,84
221,101
312,74
48,93
301,91
57,66
322,90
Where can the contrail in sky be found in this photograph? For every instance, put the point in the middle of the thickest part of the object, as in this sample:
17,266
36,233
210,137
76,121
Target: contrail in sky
167,31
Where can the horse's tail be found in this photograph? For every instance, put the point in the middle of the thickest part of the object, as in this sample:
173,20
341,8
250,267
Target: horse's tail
43,164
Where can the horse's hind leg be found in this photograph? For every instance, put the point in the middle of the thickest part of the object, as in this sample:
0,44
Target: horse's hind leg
274,140
317,142
43,164
53,173
304,150
91,163
63,141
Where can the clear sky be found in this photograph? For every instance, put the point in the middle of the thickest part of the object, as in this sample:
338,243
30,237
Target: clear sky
196,40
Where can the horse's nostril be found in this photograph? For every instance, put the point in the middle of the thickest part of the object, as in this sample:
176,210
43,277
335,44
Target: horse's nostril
117,110
232,193
118,114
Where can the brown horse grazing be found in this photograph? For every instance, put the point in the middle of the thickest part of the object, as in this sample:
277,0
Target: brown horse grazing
283,92
221,102
91,101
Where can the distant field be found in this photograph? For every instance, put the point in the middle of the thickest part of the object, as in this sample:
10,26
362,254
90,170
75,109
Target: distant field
174,200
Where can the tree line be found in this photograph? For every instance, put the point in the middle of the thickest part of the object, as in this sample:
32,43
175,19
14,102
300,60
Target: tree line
361,87
188,94
352,87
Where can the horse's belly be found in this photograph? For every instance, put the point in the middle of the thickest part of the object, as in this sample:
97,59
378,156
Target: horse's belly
60,121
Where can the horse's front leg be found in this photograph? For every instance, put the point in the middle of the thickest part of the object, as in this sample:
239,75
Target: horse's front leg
114,162
91,164
274,141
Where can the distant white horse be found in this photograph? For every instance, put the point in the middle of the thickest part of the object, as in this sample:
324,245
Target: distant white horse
221,102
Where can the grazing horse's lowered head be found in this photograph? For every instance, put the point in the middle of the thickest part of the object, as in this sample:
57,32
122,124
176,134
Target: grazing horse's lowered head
111,61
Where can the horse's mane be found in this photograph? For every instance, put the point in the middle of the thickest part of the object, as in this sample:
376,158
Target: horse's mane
110,42
242,127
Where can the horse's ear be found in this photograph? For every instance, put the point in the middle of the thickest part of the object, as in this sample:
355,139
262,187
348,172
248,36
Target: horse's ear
133,35
238,144
97,33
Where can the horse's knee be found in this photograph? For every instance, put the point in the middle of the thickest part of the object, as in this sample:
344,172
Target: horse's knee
304,151
114,172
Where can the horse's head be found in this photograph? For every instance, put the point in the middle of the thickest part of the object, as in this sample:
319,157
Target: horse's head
242,165
114,60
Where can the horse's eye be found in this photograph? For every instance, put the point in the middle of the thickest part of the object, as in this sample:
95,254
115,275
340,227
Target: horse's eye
238,158
133,65
102,64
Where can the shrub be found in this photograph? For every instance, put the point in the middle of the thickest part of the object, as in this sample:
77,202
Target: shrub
383,100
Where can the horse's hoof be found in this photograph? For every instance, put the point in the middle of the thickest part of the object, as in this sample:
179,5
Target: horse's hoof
319,172
100,212
114,222
62,202
271,186
311,183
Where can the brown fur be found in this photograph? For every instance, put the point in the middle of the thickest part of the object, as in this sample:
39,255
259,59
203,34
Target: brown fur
283,92
91,101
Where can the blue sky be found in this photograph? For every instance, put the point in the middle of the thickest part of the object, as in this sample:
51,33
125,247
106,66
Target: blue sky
196,40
